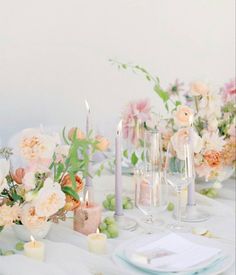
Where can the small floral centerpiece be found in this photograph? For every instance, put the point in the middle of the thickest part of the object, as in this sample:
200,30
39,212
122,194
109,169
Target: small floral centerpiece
214,119
48,183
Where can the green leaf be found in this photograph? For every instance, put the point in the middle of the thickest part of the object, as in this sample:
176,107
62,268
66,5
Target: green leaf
1,228
134,159
162,94
177,103
69,191
126,154
60,169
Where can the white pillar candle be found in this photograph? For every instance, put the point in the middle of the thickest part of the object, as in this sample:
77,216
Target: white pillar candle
97,243
34,250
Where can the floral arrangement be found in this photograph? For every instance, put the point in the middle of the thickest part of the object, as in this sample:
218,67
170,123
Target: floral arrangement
212,114
48,184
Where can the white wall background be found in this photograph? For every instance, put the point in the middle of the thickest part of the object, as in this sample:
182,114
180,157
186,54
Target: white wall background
54,54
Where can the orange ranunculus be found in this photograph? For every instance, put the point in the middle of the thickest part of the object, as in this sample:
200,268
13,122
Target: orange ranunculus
79,134
102,144
18,175
213,158
66,181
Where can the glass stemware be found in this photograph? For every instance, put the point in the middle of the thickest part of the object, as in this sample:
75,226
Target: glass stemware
151,188
179,173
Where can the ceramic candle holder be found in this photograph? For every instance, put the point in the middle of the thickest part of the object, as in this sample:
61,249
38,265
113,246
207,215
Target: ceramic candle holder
87,218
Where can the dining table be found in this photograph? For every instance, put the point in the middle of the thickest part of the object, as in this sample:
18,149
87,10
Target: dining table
67,250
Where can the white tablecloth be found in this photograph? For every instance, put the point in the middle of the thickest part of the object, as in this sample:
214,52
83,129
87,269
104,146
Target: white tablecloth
67,250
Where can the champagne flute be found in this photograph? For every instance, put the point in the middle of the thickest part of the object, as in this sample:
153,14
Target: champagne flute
178,173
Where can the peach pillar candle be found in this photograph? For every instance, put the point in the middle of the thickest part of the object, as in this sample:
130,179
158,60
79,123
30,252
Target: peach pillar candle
87,218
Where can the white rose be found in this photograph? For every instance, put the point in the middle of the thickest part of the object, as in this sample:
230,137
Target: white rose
212,124
50,199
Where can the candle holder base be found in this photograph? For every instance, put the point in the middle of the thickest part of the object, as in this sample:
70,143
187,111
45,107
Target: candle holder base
125,223
193,213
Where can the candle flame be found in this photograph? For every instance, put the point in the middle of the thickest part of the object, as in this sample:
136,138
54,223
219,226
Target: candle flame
87,105
32,238
119,128
97,231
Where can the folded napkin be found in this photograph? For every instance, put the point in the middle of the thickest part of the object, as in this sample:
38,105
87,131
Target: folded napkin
173,252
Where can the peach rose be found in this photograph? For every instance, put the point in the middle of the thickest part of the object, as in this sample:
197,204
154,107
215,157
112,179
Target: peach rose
102,144
79,134
199,88
183,115
213,158
18,175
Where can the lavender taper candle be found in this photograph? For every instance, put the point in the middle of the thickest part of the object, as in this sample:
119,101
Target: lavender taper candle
191,186
118,172
88,181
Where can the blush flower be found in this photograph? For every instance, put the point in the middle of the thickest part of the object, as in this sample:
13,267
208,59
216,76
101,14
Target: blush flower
9,214
18,175
135,113
229,91
29,181
50,199
183,115
79,134
212,141
61,152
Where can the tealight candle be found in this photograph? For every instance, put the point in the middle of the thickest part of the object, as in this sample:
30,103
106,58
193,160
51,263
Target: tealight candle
34,250
97,243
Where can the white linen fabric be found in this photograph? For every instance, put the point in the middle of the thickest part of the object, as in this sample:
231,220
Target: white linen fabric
66,250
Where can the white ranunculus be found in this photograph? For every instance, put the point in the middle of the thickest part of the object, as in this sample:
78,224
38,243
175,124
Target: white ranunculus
181,137
4,171
50,199
29,181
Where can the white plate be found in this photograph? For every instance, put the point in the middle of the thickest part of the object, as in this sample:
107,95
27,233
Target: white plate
120,257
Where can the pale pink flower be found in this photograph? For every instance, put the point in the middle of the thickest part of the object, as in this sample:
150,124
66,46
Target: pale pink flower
210,105
50,199
203,170
183,116
229,91
30,219
135,113
199,89
9,214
